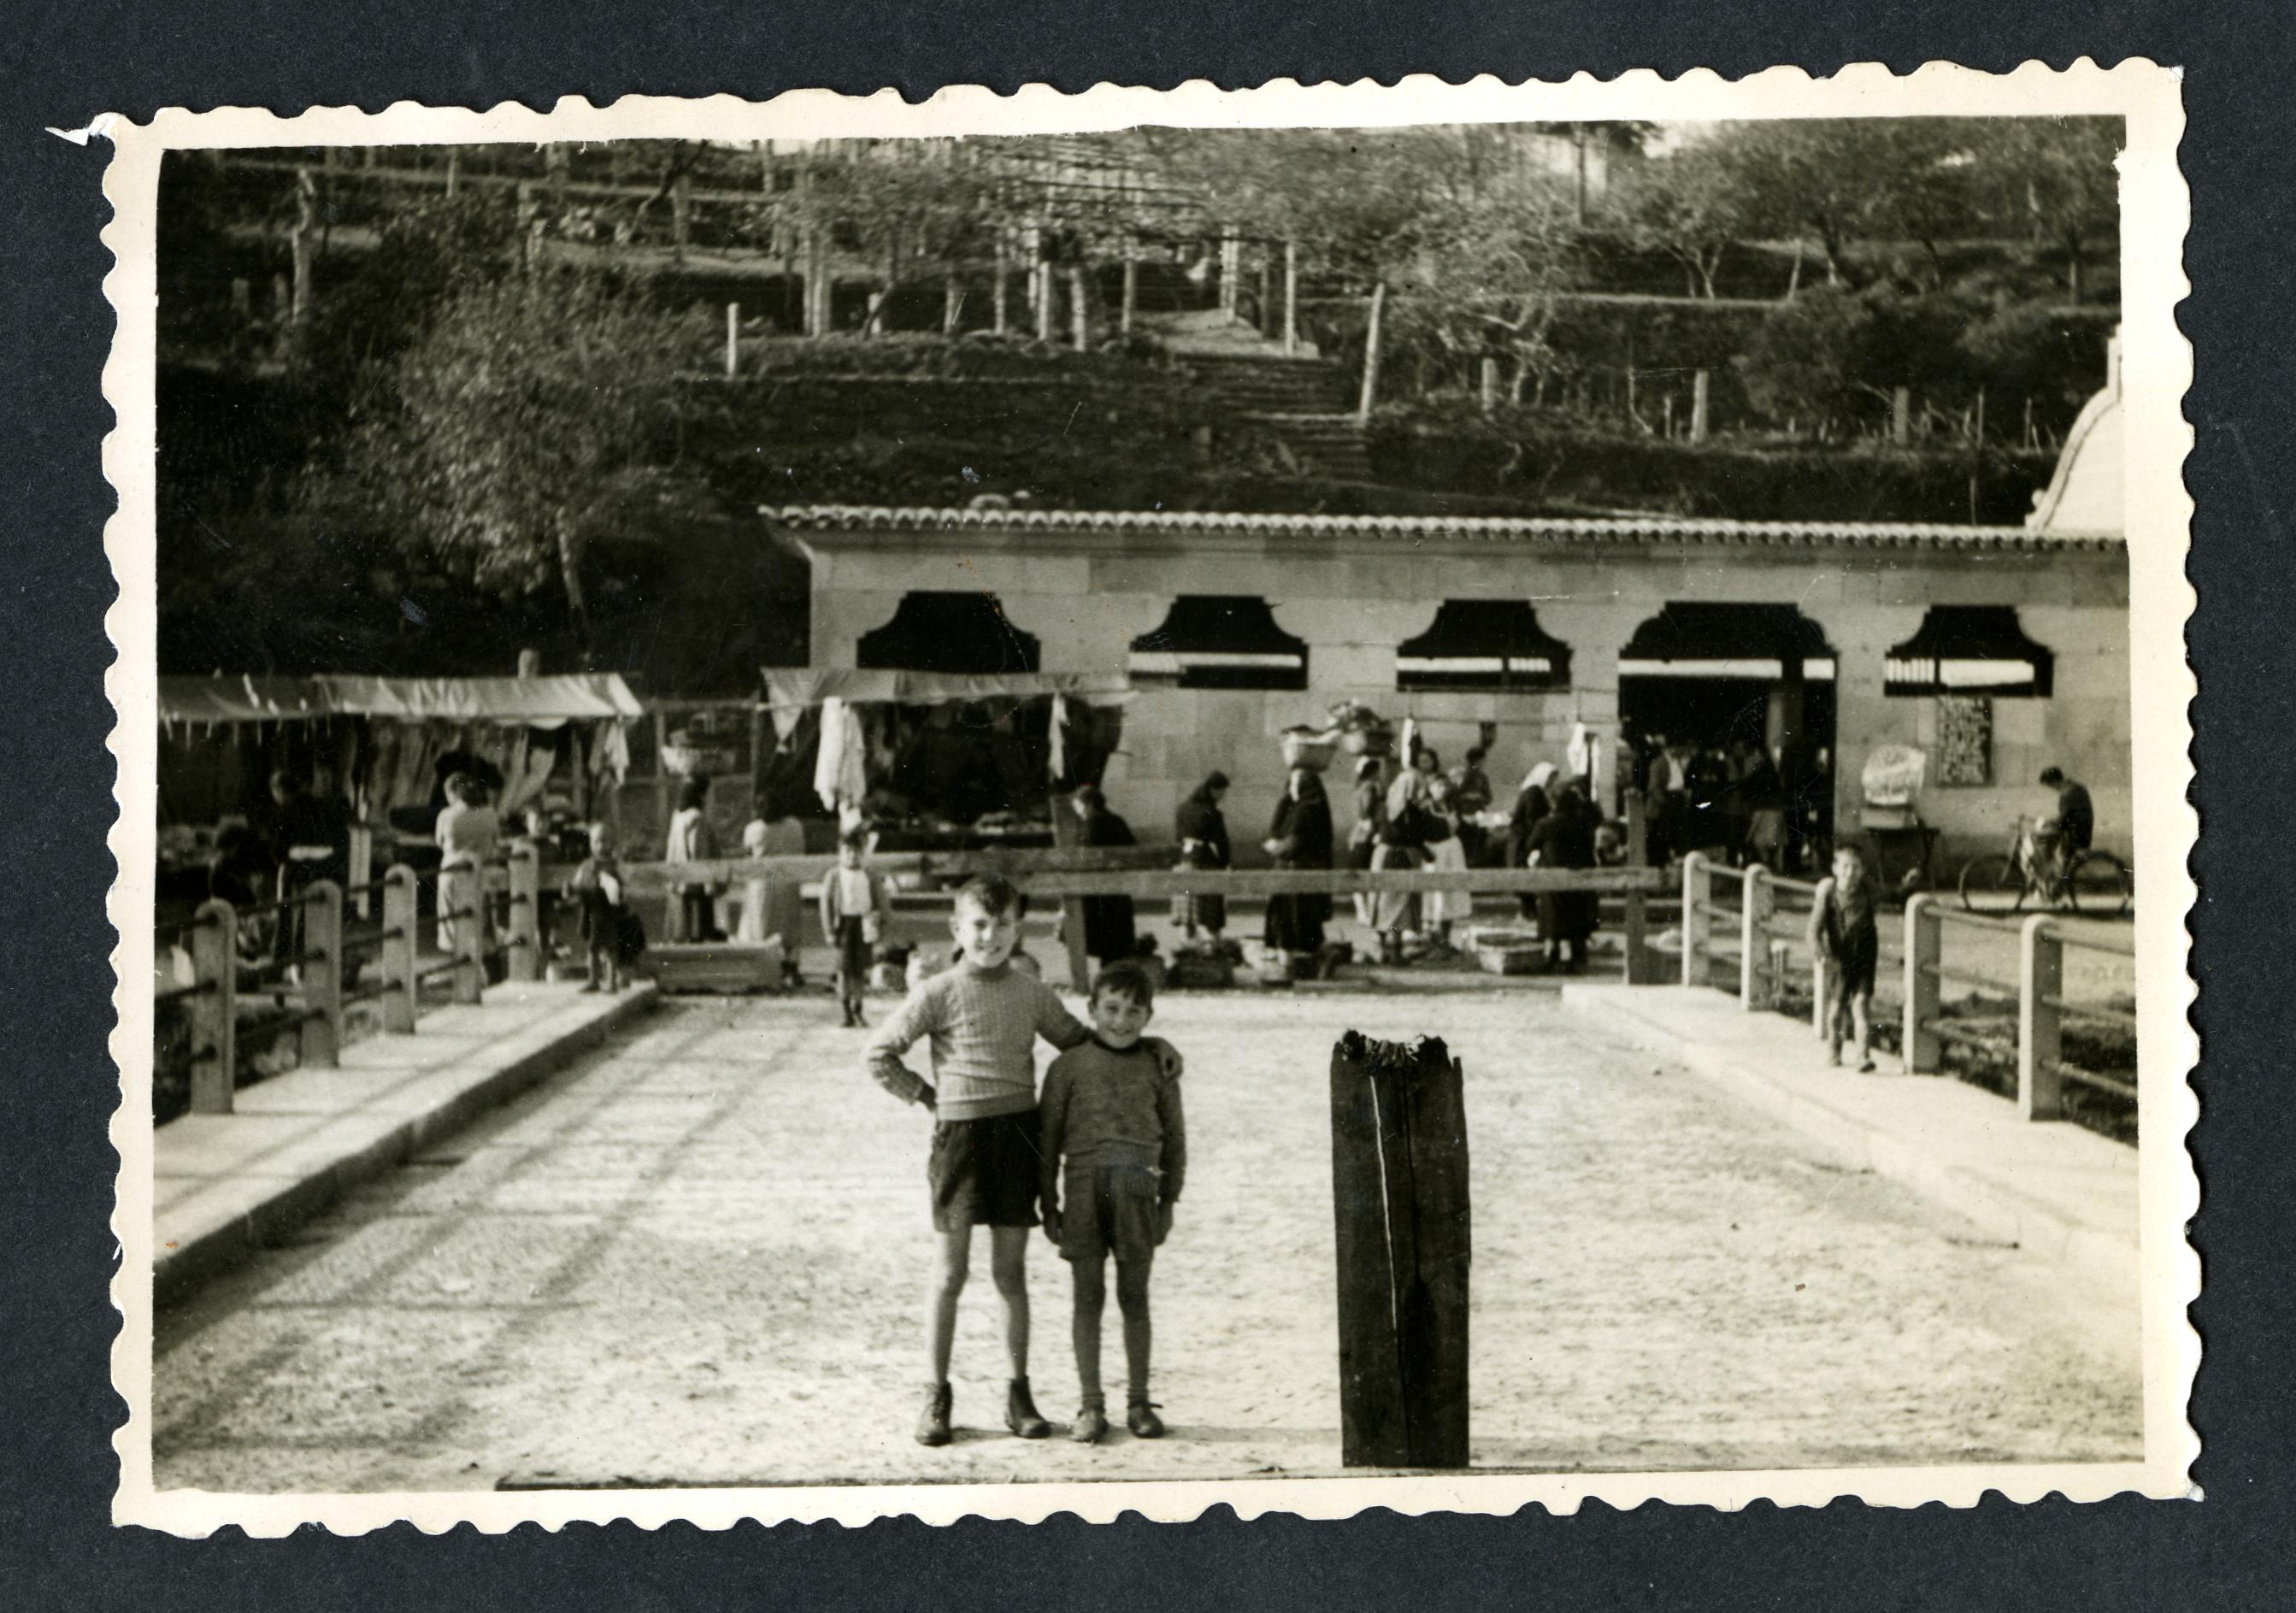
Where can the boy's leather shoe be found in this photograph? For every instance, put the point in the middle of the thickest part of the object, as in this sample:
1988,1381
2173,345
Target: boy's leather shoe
1140,1417
1020,1413
932,1427
1090,1425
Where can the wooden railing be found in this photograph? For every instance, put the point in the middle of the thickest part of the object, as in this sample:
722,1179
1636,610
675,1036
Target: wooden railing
1768,952
307,978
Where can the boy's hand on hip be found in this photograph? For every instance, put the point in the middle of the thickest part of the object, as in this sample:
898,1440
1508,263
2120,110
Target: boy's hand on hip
1053,1223
928,1095
1163,1223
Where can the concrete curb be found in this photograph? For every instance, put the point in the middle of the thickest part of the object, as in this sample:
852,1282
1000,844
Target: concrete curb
2105,1263
271,1210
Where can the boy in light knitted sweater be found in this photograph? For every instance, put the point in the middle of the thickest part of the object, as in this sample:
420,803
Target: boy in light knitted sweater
982,1020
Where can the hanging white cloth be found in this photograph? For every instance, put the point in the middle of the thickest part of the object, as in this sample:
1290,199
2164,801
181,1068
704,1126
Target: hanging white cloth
838,776
1580,754
1057,765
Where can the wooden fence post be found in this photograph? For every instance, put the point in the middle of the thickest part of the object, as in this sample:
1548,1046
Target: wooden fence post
402,944
1755,987
1699,413
1637,906
215,1010
1820,980
733,340
1371,354
1404,1240
1924,941
524,942
2040,1025
323,976
1693,919
463,892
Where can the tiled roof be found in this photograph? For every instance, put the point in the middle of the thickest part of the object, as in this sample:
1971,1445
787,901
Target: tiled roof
1612,529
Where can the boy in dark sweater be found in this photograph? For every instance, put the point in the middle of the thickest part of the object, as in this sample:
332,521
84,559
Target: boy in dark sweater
1112,1109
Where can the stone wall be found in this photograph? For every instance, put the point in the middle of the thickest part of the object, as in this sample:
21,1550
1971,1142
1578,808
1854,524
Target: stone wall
1353,598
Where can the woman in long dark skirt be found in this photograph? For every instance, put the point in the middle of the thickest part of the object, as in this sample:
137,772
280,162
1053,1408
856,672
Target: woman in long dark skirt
1300,837
1201,830
1565,838
1109,933
1530,807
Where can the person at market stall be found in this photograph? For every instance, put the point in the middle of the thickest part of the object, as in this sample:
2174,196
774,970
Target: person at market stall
1470,794
1362,834
468,834
310,841
1108,930
1445,853
1565,838
691,840
1764,793
771,901
1299,836
1201,830
1531,806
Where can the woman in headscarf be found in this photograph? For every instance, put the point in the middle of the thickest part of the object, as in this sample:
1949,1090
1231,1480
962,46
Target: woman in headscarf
1565,838
1362,834
1300,837
1109,932
1202,829
1531,804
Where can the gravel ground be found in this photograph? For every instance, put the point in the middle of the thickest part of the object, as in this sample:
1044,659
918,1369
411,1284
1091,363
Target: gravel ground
699,1257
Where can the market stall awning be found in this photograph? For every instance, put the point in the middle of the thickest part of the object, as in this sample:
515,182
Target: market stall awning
243,698
1969,649
1483,643
795,688
1711,639
1220,640
964,632
502,699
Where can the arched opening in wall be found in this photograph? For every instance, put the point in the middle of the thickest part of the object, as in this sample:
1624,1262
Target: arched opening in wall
1708,689
963,631
1219,640
1490,645
1969,649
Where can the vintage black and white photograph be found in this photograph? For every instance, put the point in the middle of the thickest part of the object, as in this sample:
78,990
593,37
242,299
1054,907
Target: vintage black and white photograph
1324,802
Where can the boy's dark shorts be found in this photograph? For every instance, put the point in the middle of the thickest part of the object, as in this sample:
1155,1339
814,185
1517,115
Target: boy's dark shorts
1112,1205
984,1172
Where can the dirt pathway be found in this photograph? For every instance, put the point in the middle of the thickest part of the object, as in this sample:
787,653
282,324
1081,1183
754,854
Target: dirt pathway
698,1257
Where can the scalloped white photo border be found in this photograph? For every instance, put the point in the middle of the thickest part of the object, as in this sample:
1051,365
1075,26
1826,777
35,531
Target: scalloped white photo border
2157,368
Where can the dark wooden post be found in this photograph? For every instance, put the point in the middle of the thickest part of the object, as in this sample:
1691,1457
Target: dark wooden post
215,1010
322,1035
1638,969
1400,1204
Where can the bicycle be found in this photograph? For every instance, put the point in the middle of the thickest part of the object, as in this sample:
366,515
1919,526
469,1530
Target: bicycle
2093,883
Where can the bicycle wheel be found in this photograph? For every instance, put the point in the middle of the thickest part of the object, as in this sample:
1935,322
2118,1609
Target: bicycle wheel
2099,884
1992,885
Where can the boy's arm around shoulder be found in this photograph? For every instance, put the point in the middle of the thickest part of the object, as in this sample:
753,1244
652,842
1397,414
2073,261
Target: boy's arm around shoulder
916,1017
1168,1111
1055,1023
1052,1137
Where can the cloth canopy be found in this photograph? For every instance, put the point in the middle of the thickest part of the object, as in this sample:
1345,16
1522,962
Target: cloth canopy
790,689
1483,643
243,699
1969,649
1711,639
1221,640
510,699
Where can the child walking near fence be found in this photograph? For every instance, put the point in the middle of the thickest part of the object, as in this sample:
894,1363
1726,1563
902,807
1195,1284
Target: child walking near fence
982,1020
1113,1115
853,910
597,887
1841,930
